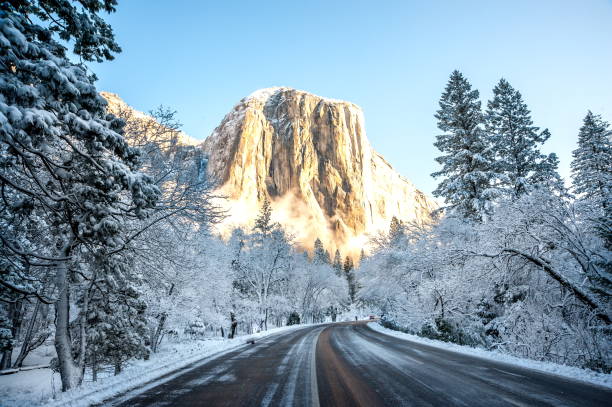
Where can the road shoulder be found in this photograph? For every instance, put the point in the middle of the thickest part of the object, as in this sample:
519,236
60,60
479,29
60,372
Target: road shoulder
566,372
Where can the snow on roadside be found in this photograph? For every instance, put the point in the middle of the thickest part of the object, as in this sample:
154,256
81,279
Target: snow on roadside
38,387
571,372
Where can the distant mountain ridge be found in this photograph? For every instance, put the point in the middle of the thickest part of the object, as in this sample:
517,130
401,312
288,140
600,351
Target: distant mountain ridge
116,105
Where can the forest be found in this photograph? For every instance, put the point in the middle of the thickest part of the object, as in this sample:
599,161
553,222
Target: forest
516,261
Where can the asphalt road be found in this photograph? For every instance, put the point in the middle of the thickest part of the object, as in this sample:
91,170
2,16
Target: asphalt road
349,364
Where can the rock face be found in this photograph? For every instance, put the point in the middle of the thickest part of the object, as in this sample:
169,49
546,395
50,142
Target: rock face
117,106
310,156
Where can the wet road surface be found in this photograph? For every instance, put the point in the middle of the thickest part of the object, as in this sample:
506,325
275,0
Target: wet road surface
348,364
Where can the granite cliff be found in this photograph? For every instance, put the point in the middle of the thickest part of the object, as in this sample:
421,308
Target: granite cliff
310,156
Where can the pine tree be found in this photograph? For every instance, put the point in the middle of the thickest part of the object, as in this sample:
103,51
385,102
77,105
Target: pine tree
548,176
320,254
263,222
61,154
348,265
467,160
592,173
337,262
396,232
516,141
350,278
117,327
592,161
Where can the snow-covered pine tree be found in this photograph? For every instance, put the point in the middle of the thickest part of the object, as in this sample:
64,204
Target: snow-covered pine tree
592,173
61,153
118,330
263,222
592,161
467,159
348,269
516,143
548,177
337,264
116,324
320,254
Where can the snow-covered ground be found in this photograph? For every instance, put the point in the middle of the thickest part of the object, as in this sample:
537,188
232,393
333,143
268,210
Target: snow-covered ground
548,367
43,387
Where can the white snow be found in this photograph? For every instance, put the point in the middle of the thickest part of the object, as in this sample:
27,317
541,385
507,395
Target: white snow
264,94
571,372
43,387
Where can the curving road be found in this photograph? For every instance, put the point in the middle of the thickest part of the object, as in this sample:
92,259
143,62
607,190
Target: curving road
348,364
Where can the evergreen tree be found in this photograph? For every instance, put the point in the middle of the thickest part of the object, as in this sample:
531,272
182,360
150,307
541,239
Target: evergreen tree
396,232
592,161
348,265
592,173
337,262
548,176
350,278
320,254
117,327
263,222
516,141
61,155
467,160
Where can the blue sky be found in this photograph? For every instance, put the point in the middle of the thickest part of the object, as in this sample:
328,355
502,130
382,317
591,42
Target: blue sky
391,58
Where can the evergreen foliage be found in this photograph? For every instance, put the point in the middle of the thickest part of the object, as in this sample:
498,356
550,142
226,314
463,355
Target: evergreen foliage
321,256
348,269
294,319
592,160
337,264
63,158
263,222
592,176
516,143
467,159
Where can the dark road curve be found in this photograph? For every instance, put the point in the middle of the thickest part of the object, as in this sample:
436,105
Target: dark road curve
349,364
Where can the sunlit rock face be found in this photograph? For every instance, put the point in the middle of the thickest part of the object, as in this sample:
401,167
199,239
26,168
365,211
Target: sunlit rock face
310,156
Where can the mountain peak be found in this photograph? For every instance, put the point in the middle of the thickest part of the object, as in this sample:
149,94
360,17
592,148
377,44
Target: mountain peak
263,95
310,157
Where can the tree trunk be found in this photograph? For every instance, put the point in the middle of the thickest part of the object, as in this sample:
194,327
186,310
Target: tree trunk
266,320
83,327
70,373
25,347
232,332
599,312
160,325
94,366
14,314
157,336
7,355
117,367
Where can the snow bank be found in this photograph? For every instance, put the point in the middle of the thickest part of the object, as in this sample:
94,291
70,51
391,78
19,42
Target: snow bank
43,387
571,372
